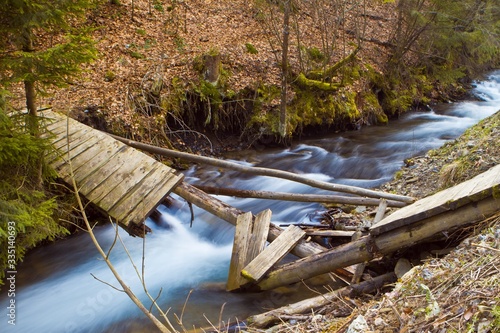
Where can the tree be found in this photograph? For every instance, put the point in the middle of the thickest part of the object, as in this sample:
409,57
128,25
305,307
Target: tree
26,212
27,58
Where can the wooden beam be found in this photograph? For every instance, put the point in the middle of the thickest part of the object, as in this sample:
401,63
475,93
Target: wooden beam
369,247
230,214
272,254
323,198
475,189
309,305
260,232
240,247
329,233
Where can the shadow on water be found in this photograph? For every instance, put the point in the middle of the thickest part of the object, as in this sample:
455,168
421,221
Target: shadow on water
55,291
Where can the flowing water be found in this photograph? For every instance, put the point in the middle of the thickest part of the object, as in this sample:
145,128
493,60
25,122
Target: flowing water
55,287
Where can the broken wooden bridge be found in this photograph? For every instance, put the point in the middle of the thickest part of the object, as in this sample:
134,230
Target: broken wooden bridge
128,185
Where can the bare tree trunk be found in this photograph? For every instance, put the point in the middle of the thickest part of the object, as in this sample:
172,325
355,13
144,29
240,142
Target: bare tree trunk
30,92
284,67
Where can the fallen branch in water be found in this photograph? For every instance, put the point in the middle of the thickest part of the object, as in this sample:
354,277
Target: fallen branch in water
321,198
263,171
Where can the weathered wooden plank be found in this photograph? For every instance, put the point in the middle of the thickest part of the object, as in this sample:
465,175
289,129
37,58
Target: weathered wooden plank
109,182
154,197
240,247
88,157
75,153
472,190
258,238
137,195
127,182
78,134
110,165
273,253
59,156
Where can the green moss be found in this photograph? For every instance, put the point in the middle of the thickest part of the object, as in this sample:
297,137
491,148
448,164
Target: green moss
137,55
315,54
251,49
312,108
109,76
304,82
495,191
371,107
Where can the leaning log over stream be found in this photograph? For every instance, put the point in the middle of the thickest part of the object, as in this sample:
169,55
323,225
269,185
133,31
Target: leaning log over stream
230,214
265,172
320,198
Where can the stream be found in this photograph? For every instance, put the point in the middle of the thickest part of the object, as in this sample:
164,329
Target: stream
55,288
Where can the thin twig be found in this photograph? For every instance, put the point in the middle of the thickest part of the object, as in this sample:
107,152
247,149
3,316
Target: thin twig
107,283
486,247
114,239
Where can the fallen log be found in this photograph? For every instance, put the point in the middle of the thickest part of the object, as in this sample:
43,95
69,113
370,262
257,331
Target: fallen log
370,247
309,305
297,197
263,171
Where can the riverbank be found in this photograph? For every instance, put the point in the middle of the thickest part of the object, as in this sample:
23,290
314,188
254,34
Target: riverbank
151,82
457,292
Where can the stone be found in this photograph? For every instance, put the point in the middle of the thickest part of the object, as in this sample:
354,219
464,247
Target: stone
403,266
358,325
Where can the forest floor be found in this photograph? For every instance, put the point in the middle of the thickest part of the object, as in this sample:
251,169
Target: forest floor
456,289
141,41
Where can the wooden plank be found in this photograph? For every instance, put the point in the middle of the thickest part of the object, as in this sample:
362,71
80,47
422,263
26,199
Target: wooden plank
256,269
109,182
127,182
97,158
155,196
155,181
74,148
473,190
79,133
238,256
99,175
258,238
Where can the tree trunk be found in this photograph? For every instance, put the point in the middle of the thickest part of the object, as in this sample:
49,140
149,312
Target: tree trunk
323,198
32,119
284,68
